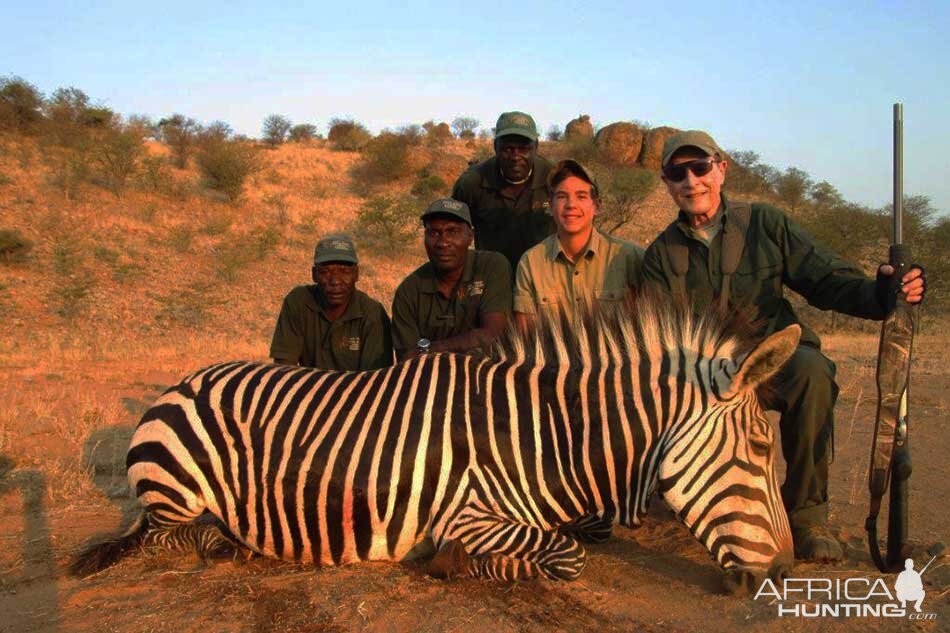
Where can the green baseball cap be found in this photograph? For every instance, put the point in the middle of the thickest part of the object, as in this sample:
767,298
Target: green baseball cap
335,248
450,207
516,124
690,138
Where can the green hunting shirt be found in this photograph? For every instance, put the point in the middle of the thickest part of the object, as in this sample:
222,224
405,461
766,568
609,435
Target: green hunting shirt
420,311
777,253
360,339
603,275
509,226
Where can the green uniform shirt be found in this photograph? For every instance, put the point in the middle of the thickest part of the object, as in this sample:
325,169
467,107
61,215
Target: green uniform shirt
777,253
360,339
419,311
509,226
603,274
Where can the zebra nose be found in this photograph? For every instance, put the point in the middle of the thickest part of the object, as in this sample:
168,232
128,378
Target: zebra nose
741,582
781,567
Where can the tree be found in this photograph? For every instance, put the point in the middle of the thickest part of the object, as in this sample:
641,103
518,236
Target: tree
464,127
217,130
180,134
347,134
303,132
825,196
21,104
276,127
792,186
626,188
555,133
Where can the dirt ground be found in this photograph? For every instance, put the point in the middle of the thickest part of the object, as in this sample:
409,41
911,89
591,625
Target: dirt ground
65,420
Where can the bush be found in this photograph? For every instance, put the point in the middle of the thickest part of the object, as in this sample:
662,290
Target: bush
437,134
226,165
303,132
385,159
428,186
624,190
276,127
180,133
187,307
250,247
554,133
348,135
73,282
153,175
387,223
21,104
13,246
179,238
117,152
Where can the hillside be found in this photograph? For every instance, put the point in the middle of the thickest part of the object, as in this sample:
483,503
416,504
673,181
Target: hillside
108,275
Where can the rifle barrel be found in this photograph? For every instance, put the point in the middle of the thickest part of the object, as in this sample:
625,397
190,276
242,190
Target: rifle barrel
898,172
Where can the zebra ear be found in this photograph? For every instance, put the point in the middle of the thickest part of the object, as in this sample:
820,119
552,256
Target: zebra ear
766,359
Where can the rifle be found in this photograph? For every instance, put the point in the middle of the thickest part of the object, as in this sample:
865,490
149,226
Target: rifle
890,451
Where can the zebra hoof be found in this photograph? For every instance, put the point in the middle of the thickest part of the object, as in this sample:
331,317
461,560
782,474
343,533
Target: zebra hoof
451,560
738,582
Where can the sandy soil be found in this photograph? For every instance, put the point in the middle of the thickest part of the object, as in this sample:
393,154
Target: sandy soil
62,482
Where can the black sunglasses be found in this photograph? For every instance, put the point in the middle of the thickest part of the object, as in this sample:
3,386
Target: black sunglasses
700,167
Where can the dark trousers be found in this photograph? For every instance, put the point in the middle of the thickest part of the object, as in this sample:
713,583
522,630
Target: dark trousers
805,394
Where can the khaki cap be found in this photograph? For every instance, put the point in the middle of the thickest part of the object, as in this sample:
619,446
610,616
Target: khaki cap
573,166
450,207
690,138
335,248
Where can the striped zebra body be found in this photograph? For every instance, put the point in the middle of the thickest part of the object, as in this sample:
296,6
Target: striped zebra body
506,463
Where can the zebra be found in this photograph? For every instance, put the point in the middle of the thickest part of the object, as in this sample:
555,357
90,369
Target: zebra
507,464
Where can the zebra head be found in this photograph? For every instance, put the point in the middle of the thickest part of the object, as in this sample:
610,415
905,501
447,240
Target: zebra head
717,470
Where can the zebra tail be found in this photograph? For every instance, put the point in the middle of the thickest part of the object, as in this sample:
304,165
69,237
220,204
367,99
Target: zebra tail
103,552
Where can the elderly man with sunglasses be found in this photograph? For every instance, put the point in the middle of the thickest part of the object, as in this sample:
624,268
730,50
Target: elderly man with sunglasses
728,255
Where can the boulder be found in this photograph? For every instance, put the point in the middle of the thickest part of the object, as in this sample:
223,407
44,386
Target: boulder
580,127
652,153
619,143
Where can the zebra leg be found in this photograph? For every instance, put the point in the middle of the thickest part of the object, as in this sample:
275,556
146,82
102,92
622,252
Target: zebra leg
207,540
486,545
589,529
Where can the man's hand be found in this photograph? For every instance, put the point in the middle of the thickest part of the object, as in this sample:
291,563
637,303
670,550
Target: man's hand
913,284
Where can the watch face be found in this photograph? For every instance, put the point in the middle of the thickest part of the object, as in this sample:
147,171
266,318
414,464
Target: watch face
424,344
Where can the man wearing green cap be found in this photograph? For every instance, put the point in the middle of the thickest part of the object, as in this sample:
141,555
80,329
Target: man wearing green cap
507,194
728,254
578,267
331,324
460,299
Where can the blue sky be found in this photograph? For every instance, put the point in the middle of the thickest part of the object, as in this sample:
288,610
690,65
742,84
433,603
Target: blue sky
807,84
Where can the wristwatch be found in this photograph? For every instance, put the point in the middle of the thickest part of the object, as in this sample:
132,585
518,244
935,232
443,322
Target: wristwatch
423,345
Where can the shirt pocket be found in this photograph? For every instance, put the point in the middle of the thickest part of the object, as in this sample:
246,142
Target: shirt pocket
756,281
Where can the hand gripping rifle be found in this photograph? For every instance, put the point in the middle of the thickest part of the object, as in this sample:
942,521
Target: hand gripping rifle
890,452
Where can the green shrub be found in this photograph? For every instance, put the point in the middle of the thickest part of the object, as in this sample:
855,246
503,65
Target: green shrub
347,135
225,166
464,127
117,152
13,246
437,134
384,160
73,282
187,307
106,254
180,133
21,104
388,224
180,237
428,186
153,175
303,132
623,191
255,245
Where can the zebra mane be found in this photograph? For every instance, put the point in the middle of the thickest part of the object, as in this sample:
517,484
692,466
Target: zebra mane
645,324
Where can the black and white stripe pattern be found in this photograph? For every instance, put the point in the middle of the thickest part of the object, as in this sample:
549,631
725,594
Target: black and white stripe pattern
508,463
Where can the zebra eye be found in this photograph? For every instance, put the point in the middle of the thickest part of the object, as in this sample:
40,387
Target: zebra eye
759,445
